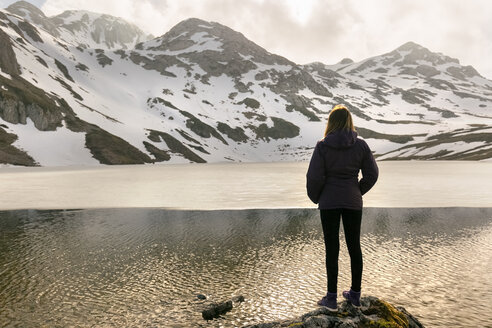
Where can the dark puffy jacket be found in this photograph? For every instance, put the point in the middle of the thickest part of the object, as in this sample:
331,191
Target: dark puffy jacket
332,177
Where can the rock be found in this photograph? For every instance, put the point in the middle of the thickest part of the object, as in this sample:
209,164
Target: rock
238,299
175,146
237,134
201,297
216,309
373,313
20,100
281,129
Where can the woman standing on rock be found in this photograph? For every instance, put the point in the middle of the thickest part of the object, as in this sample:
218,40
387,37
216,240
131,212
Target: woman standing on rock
332,182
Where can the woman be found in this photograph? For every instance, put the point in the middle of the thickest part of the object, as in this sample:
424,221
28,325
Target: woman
332,182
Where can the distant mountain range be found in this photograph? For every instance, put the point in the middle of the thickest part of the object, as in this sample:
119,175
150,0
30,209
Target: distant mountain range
82,88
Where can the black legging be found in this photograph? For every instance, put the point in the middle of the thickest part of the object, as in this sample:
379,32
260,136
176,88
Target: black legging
330,220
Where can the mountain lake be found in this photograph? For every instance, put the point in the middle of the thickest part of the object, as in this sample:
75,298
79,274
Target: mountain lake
118,246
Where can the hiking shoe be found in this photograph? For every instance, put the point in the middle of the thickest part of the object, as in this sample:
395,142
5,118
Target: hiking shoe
329,301
352,297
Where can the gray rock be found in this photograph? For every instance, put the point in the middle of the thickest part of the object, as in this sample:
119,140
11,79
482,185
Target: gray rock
43,112
372,313
213,310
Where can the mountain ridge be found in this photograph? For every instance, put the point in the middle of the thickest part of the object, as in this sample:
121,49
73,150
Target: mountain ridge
202,92
83,28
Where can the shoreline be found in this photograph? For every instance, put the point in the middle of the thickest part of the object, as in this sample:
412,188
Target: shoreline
242,209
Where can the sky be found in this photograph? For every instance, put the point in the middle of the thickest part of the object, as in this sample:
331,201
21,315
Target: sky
327,31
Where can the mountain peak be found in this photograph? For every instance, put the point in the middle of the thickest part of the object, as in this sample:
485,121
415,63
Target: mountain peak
86,16
22,8
190,26
413,52
193,22
346,61
95,30
409,46
193,36
33,14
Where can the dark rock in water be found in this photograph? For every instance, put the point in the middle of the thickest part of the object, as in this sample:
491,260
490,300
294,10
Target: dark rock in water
201,296
374,313
238,299
214,310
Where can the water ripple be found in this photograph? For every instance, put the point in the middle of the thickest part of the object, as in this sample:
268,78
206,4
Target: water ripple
118,268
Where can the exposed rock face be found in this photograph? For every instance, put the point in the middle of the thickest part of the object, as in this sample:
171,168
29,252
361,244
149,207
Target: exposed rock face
20,99
110,149
10,154
31,31
8,62
280,129
236,134
374,313
175,145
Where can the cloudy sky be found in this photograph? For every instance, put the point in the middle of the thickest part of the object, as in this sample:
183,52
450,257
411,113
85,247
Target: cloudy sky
320,30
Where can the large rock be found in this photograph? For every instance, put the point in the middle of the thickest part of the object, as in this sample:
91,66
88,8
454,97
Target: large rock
374,313
216,309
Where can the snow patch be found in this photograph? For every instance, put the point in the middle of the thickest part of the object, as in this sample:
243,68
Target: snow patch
6,75
53,148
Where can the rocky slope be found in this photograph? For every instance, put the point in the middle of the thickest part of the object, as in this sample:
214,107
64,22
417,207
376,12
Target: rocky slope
86,88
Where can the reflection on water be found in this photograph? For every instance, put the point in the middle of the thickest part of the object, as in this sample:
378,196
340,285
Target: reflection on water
139,267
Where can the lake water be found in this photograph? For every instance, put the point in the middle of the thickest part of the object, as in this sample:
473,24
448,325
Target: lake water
144,267
426,240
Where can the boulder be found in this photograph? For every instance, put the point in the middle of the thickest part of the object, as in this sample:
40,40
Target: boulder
215,309
373,313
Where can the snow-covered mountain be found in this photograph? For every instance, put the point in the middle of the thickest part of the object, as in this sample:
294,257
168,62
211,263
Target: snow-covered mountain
86,88
83,28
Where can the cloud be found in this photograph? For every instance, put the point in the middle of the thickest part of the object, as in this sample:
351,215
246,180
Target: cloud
323,30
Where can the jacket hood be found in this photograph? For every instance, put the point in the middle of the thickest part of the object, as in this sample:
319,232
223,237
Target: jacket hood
340,139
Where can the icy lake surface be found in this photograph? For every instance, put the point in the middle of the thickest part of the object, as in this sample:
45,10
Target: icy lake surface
236,186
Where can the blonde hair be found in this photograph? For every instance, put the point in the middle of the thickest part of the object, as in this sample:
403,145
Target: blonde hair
339,119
